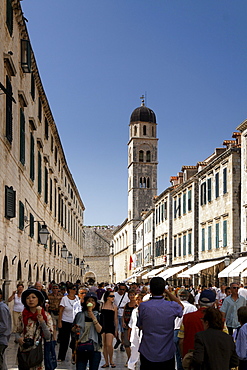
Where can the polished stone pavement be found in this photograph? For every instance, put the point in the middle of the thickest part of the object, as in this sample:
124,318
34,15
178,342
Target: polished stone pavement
118,357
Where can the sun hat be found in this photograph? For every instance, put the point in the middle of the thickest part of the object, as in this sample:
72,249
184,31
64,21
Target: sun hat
29,291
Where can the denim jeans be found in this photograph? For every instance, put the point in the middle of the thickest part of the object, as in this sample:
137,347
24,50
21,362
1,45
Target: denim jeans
83,358
178,355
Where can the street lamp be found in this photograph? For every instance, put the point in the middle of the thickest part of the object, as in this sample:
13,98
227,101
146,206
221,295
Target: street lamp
82,264
87,268
64,251
70,258
43,234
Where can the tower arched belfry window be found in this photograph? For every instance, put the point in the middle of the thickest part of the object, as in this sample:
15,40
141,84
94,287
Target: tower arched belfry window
141,155
148,183
144,182
148,156
135,130
144,130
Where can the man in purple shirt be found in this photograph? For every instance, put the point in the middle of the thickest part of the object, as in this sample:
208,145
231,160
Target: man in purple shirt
156,320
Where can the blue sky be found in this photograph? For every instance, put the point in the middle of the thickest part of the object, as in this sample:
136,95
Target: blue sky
97,57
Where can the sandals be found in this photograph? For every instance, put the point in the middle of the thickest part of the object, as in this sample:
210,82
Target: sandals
104,366
113,365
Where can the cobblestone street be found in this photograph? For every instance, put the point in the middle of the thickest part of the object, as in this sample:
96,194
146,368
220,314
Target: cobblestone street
119,358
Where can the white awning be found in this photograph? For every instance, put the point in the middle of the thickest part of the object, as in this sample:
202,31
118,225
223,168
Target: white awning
129,278
170,272
199,267
140,273
235,268
152,273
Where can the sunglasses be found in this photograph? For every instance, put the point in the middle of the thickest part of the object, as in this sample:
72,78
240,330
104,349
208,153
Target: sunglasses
121,289
82,293
111,296
73,289
235,287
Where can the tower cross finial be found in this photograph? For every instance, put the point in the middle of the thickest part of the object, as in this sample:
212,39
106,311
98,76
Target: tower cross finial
143,100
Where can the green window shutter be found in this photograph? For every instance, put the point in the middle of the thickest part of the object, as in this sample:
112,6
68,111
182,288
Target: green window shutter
46,129
32,157
184,245
39,173
224,180
209,237
22,137
225,233
217,193
175,247
189,243
217,234
10,197
209,190
189,201
39,228
203,240
175,208
21,215
46,186
9,16
31,226
179,246
9,118
184,203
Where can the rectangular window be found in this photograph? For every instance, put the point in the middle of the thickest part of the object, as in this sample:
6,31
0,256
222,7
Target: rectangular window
224,180
9,16
165,210
217,193
51,194
31,157
31,226
189,201
22,137
225,233
26,56
217,234
179,246
184,203
209,238
179,206
46,129
40,110
175,208
21,215
203,240
39,173
9,118
209,190
32,86
184,245
189,244
162,212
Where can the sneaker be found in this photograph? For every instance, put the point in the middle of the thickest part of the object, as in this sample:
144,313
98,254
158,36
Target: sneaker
122,348
117,343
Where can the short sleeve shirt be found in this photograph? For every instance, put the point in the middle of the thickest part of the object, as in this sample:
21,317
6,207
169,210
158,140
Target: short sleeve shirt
230,308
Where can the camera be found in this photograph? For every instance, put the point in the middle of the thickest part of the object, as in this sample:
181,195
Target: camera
28,342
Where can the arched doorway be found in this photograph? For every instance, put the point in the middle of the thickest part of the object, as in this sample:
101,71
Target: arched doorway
29,277
90,277
5,277
19,273
37,274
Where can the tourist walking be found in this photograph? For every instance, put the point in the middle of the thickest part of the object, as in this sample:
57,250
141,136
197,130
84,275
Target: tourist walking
109,322
5,330
18,306
54,299
121,298
241,341
128,308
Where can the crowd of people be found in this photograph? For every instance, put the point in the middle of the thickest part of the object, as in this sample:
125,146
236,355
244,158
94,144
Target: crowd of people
156,325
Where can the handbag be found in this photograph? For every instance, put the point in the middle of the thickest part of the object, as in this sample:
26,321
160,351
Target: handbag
31,358
50,359
85,347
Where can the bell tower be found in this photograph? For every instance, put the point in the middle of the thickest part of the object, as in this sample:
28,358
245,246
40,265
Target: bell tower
142,161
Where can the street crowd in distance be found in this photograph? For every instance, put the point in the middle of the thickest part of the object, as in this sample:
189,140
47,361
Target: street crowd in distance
158,326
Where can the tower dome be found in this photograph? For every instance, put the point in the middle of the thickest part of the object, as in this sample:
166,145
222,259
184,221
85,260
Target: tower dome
143,114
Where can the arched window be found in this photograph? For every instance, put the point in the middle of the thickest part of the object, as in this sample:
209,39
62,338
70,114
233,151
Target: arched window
135,130
141,155
19,277
140,184
144,130
148,183
153,131
144,182
148,156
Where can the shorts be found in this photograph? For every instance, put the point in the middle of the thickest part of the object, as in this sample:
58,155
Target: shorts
54,319
126,341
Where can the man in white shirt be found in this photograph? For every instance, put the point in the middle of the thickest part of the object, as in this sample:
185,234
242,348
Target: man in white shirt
242,291
121,298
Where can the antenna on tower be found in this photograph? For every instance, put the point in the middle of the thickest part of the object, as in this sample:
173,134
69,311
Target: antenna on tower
143,100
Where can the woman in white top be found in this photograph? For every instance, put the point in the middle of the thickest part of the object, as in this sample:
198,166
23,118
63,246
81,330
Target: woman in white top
65,320
18,306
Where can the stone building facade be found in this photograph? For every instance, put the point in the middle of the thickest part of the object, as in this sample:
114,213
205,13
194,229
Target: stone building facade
36,184
97,253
